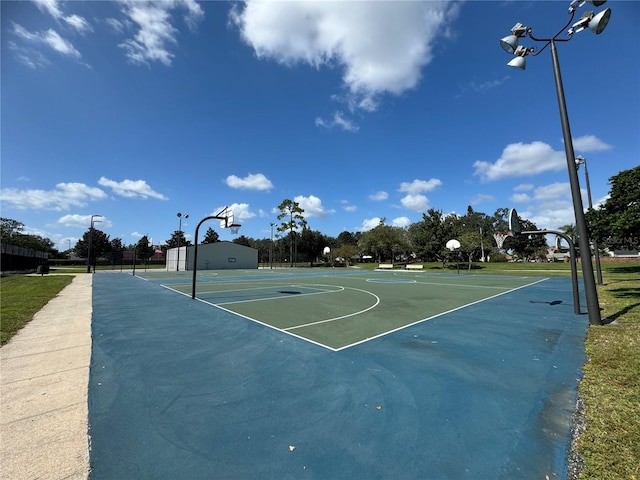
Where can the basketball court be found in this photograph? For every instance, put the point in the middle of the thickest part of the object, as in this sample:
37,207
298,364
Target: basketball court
332,374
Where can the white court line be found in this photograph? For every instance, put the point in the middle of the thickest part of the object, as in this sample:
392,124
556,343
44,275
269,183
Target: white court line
343,316
288,332
437,315
284,296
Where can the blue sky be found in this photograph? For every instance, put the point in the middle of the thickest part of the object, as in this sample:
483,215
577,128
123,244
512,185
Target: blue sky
359,111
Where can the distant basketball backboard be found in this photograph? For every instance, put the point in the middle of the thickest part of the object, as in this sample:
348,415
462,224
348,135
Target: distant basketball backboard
514,222
453,244
226,217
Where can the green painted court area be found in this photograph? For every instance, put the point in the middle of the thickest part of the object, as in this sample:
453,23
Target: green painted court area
338,310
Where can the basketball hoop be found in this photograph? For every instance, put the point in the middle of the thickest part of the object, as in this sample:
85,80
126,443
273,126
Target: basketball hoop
234,227
500,237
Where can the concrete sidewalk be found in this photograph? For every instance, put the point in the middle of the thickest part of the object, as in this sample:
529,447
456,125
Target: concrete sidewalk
44,372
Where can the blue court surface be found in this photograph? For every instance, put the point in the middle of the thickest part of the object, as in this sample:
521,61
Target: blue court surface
188,389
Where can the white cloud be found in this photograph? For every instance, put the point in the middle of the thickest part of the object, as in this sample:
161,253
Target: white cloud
65,196
79,23
50,38
350,208
549,206
338,120
589,143
83,221
30,57
347,35
251,182
241,211
379,196
131,188
401,222
49,6
522,159
481,198
418,203
312,206
368,224
523,187
52,7
520,198
480,87
156,32
419,186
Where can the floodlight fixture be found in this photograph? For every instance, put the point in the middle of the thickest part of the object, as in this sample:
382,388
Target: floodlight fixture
594,22
575,4
519,61
510,42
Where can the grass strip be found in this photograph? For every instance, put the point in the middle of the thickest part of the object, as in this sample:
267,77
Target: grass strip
22,296
610,388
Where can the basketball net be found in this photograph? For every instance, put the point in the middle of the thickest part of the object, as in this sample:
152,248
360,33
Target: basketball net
500,237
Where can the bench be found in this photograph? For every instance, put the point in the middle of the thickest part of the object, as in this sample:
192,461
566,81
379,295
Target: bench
415,267
386,266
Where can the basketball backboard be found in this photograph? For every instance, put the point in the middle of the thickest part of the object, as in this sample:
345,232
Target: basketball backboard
514,222
226,217
453,244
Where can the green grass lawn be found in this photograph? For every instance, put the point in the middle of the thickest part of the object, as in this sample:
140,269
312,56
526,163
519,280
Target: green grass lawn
22,296
610,387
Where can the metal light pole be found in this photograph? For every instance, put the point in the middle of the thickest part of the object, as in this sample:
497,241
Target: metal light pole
595,23
271,247
580,160
91,241
180,215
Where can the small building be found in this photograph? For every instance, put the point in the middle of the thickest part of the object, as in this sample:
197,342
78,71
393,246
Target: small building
213,256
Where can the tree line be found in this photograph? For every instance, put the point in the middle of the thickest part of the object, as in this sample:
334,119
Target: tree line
615,224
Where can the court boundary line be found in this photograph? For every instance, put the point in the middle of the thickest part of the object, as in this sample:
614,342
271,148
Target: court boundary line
364,340
342,316
340,289
438,315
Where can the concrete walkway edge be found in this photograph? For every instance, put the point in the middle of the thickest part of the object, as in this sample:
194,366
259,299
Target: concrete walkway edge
44,376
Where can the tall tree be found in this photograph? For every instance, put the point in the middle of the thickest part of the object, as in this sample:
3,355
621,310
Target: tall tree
100,245
144,249
430,236
117,251
570,231
385,242
292,220
178,238
527,247
10,228
470,245
11,234
311,244
616,223
348,238
211,236
242,240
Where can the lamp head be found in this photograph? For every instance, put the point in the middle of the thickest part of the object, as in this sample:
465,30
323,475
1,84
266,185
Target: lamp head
595,23
518,62
509,43
598,23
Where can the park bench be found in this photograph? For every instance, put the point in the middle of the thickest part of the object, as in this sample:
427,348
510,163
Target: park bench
415,267
386,266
